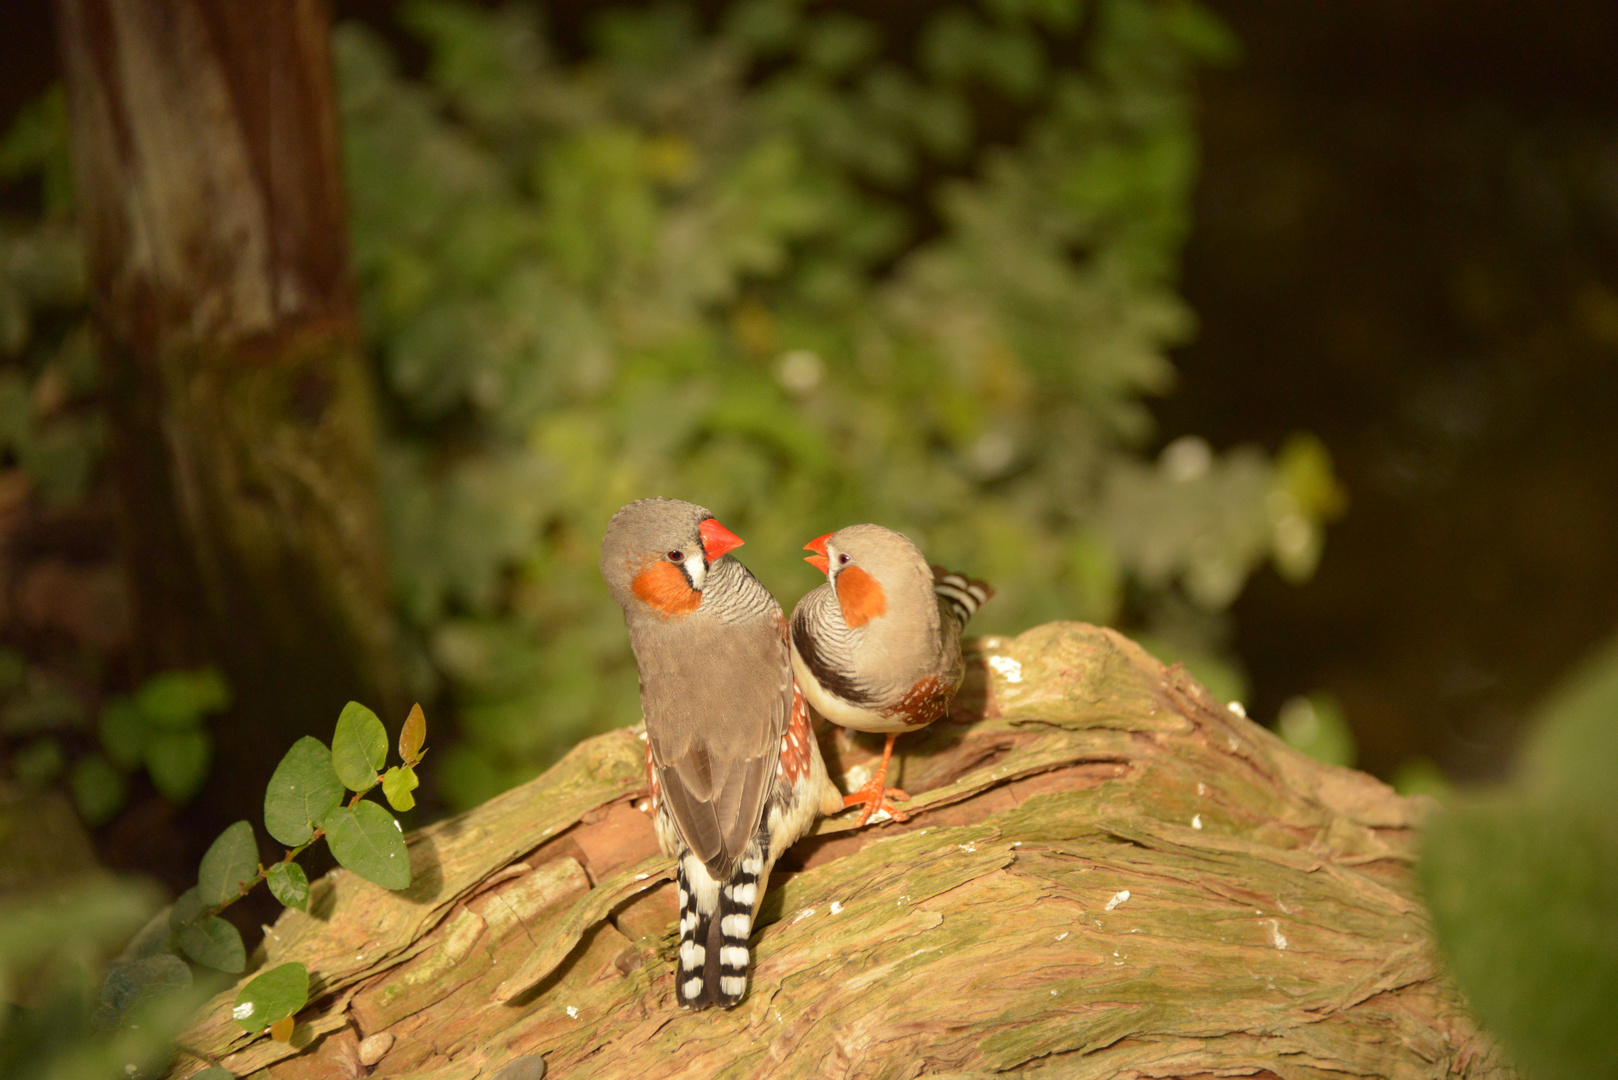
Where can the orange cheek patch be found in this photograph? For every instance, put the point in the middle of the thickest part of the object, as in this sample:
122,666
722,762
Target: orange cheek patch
860,597
665,589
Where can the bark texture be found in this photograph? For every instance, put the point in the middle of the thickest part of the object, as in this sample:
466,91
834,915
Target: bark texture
209,189
1106,874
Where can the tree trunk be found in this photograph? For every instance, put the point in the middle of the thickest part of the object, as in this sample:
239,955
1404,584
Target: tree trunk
1106,874
209,189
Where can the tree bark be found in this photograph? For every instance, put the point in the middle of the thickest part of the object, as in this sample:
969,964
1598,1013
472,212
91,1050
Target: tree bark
1105,874
208,181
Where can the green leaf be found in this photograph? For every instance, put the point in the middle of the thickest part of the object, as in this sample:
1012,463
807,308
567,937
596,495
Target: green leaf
273,995
301,791
132,983
359,747
177,762
1315,725
123,732
175,700
230,864
187,906
98,789
289,884
364,838
214,943
413,735
397,784
38,763
1523,886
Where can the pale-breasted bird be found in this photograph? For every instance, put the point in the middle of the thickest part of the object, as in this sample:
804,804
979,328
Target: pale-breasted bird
878,647
735,773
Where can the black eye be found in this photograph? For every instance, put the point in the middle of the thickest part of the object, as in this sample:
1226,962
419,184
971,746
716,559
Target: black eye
676,556
842,560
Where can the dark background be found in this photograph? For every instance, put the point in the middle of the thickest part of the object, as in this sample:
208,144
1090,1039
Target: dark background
1406,241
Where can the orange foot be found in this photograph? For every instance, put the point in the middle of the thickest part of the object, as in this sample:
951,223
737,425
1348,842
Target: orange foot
876,797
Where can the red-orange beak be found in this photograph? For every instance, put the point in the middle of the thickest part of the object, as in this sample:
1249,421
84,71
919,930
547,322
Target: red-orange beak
716,539
819,559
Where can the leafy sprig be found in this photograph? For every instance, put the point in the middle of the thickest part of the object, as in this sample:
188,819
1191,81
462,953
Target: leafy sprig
316,793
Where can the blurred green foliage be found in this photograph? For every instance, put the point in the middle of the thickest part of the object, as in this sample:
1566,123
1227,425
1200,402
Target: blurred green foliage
774,261
805,275
1315,724
1523,886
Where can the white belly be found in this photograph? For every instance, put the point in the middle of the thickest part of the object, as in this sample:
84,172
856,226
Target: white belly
840,712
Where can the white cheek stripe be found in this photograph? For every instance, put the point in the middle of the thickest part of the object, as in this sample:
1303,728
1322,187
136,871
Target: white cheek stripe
696,568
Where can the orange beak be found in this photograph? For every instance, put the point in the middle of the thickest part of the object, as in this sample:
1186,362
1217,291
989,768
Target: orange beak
716,539
819,560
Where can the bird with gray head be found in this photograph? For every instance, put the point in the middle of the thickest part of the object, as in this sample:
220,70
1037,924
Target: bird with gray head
735,774
878,646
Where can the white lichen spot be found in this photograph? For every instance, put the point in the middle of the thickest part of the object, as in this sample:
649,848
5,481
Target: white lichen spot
1062,936
1117,898
1278,939
968,847
572,1012
1196,821
644,806
836,907
1008,668
804,914
1016,843
1202,789
1053,993
881,815
1238,708
242,1011
1231,740
642,877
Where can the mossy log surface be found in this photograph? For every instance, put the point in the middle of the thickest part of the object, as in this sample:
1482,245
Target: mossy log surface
1106,874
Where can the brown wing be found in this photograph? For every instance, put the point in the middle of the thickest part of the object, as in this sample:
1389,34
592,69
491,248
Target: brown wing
717,697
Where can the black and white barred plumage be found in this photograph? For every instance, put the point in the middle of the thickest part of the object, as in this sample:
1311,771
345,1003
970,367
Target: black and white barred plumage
962,594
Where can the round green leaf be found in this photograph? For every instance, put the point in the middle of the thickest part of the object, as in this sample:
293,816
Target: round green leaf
273,995
214,943
397,784
135,982
364,838
123,732
177,700
178,762
98,789
301,790
359,747
230,864
289,884
185,909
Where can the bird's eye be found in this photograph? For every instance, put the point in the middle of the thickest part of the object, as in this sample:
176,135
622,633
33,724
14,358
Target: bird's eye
676,556
842,560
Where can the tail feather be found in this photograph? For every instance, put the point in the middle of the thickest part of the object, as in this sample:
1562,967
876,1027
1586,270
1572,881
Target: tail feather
964,595
715,922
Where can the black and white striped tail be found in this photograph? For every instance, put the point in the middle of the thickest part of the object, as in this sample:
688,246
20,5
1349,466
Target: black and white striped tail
715,922
963,595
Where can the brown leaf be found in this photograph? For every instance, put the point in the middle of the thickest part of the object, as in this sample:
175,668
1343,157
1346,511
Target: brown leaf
413,735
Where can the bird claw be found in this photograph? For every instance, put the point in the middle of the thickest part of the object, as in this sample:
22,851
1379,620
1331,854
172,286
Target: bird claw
876,797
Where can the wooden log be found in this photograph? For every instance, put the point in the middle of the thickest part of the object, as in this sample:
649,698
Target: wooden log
1106,874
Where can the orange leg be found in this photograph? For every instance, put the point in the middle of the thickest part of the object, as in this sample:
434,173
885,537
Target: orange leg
875,795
